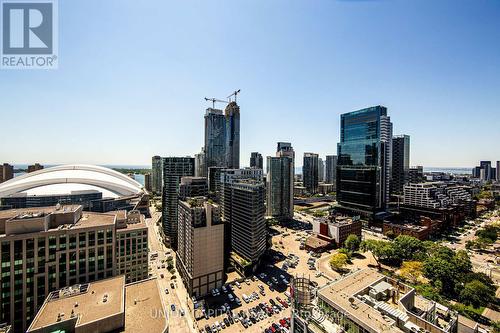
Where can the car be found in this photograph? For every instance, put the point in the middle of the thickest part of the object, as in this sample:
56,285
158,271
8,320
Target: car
247,281
230,319
222,324
161,275
207,329
172,306
182,312
226,322
254,278
224,289
282,277
166,291
274,279
172,285
263,293
237,284
237,300
230,297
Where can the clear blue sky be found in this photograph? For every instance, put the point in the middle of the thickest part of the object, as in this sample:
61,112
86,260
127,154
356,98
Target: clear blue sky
133,74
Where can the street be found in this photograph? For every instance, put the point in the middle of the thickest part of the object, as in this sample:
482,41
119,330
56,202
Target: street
177,295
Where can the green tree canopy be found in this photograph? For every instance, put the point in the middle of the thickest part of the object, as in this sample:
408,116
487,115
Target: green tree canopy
476,293
407,247
352,243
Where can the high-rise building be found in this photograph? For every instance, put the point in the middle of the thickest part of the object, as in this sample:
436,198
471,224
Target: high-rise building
486,166
279,191
200,254
47,248
215,138
174,168
256,161
321,170
331,169
193,187
310,172
34,167
157,175
498,171
364,161
148,182
232,114
400,163
6,172
285,149
200,169
416,174
243,209
214,179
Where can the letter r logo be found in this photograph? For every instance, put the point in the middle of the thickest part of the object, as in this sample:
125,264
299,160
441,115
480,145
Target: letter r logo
27,27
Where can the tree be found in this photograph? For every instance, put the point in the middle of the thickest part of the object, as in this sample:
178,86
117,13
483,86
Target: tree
462,262
338,261
381,250
407,247
412,270
352,243
441,272
346,252
476,293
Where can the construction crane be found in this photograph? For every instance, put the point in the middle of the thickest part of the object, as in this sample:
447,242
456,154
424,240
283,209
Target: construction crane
213,100
234,94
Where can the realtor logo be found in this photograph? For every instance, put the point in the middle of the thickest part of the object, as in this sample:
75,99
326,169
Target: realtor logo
29,34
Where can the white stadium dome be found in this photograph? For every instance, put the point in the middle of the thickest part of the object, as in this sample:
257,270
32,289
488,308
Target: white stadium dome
64,179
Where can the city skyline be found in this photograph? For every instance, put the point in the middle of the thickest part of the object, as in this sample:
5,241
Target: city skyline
436,75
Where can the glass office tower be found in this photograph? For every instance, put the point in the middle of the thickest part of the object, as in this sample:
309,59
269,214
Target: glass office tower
364,161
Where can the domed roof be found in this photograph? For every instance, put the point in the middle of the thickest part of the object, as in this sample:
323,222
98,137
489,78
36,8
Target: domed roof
64,179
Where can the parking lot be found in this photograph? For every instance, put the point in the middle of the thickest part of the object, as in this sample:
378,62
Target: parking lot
264,316
285,261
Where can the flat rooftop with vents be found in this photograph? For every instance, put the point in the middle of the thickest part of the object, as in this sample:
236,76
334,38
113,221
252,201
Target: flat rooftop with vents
103,306
377,303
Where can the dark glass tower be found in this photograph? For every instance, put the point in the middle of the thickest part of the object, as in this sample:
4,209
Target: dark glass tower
331,169
364,161
400,163
278,187
174,168
310,172
215,139
232,114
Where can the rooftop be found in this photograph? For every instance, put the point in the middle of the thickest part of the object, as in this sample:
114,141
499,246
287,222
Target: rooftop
102,300
383,304
142,301
99,300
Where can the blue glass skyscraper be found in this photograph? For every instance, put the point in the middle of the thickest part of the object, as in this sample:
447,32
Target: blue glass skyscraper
364,161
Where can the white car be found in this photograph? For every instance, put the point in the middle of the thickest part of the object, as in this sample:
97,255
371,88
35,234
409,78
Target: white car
237,284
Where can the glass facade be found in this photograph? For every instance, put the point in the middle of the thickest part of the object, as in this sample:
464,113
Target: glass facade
363,164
